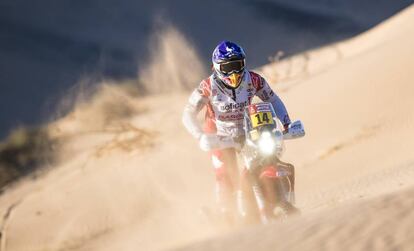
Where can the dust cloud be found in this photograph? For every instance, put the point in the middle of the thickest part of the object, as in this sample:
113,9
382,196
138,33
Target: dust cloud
122,177
174,63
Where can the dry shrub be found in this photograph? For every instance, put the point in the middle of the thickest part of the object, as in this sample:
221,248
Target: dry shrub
127,138
25,150
107,110
108,105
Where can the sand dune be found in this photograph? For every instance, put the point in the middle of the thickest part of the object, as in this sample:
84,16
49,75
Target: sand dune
130,178
382,223
355,167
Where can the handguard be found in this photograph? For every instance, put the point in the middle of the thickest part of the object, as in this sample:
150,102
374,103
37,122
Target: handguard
295,130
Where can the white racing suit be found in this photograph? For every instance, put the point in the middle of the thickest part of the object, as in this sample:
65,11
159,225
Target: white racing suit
224,117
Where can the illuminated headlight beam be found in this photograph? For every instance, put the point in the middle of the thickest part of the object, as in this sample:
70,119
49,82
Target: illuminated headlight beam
266,143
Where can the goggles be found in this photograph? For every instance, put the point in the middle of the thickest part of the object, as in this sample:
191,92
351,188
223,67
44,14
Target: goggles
232,66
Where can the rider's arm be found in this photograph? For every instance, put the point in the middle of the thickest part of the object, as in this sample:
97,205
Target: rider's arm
196,102
266,94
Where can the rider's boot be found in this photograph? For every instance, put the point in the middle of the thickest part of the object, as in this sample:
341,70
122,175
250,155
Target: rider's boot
225,166
245,215
226,203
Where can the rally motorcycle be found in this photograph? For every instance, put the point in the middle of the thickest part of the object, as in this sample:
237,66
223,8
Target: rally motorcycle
270,180
266,182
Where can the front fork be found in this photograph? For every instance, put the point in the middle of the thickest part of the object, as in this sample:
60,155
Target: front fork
247,209
264,206
268,189
256,198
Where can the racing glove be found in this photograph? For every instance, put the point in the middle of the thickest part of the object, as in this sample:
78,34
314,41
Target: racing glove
208,142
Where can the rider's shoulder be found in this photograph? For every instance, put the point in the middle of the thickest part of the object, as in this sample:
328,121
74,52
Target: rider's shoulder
257,80
204,87
255,74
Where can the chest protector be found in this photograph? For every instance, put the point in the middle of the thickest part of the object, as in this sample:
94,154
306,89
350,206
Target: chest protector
226,107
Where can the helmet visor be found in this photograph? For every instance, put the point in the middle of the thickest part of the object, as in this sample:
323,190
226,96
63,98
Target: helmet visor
232,66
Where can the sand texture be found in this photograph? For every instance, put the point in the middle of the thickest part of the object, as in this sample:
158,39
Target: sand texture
129,177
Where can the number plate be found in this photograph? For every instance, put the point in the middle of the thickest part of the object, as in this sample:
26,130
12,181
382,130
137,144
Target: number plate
261,118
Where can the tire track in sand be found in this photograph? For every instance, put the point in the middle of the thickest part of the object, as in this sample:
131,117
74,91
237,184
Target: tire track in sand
372,185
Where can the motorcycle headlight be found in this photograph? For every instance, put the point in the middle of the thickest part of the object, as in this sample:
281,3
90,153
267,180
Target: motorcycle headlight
266,143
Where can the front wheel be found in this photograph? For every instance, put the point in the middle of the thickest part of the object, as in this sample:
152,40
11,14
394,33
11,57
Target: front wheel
278,197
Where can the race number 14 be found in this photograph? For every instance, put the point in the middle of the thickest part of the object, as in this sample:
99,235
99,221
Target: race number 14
262,118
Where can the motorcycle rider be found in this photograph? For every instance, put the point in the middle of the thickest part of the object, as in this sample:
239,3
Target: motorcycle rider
225,94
